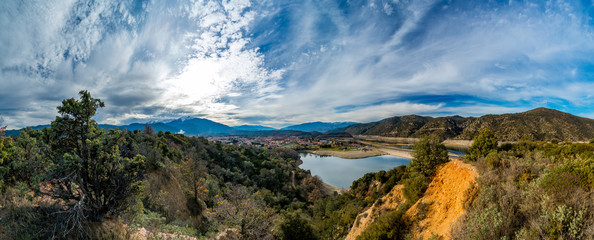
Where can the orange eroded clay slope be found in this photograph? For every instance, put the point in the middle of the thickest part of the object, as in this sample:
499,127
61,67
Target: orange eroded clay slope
387,203
449,193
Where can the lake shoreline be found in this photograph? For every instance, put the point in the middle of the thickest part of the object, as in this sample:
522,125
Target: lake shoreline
348,154
357,154
338,173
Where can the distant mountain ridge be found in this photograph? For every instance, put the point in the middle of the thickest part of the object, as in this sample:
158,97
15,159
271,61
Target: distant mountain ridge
253,128
538,124
318,126
203,127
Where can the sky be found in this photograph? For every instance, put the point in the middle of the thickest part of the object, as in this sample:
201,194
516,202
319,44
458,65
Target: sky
277,62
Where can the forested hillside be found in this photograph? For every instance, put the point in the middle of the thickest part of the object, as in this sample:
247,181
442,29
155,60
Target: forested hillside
539,124
76,181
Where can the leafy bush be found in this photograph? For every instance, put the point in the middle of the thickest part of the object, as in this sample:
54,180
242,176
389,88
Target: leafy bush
415,185
294,227
483,144
428,153
386,227
567,177
565,223
484,224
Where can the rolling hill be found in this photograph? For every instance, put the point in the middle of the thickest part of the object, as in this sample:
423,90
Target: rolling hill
318,126
538,124
253,128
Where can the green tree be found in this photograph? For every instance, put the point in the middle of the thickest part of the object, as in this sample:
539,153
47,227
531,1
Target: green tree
428,153
483,144
6,153
90,173
30,158
2,129
293,226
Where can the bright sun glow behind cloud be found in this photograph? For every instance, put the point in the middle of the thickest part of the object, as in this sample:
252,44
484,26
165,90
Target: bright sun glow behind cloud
284,62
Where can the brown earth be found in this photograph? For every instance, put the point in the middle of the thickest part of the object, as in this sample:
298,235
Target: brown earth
449,194
388,203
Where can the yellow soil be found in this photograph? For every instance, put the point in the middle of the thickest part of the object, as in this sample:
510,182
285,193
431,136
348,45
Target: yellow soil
449,193
389,202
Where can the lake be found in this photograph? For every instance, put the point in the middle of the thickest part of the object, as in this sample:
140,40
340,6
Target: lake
341,172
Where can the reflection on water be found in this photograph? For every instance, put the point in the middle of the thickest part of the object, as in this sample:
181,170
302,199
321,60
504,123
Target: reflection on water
341,172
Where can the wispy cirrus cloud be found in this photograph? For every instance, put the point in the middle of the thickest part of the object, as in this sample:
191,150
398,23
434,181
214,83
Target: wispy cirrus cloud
491,56
282,62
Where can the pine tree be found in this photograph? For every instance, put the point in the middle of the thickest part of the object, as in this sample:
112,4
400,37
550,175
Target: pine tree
89,172
483,144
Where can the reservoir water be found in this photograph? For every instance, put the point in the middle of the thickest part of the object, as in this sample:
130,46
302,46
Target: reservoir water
341,172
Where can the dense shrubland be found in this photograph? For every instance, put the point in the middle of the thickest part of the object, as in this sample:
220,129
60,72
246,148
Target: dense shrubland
528,190
76,181
73,179
533,190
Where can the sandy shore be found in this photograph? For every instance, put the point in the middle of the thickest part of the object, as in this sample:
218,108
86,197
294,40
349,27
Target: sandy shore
450,143
397,153
355,154
349,154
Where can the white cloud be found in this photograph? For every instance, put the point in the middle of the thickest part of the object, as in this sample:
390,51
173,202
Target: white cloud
446,53
318,61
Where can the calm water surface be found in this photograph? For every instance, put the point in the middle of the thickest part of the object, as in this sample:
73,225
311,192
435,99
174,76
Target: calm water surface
341,172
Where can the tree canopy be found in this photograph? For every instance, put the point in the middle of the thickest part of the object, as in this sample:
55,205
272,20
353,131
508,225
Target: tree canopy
89,171
428,153
485,143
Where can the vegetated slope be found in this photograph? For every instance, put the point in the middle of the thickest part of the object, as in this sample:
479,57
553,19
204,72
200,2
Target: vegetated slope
538,124
318,126
387,203
253,128
200,126
449,194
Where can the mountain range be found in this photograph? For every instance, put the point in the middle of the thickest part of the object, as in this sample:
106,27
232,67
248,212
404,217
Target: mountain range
318,126
541,124
203,127
538,124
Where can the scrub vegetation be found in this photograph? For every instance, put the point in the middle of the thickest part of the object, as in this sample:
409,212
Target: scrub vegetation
74,180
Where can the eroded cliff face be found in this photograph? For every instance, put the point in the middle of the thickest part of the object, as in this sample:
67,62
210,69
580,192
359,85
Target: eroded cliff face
449,194
387,203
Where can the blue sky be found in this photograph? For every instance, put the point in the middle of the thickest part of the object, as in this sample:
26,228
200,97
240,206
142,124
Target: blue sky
279,62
